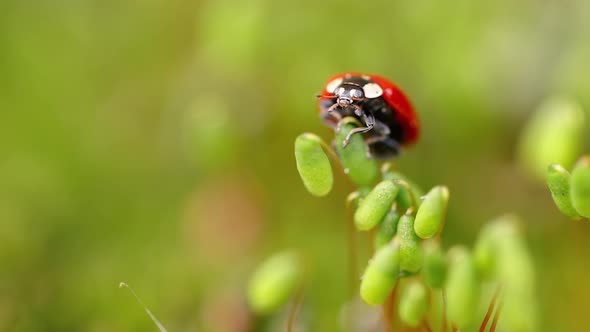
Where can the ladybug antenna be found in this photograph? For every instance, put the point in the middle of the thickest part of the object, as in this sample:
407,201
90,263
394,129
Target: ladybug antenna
325,96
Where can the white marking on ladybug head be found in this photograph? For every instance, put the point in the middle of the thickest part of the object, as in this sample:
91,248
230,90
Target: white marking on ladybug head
356,94
333,84
372,90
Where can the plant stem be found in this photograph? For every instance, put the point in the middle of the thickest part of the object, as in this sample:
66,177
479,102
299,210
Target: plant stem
496,317
426,326
388,307
352,258
407,186
444,310
152,316
352,245
455,329
484,323
332,153
295,309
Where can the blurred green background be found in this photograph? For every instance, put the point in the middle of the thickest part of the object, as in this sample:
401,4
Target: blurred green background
152,142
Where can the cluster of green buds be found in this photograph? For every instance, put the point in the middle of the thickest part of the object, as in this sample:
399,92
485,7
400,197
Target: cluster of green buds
555,136
571,192
405,226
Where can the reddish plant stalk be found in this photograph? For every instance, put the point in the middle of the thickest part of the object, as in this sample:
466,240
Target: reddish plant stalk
388,307
426,326
496,317
444,311
295,310
484,323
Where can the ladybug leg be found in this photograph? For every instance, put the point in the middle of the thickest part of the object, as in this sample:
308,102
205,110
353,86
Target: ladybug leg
381,145
381,133
333,113
330,116
369,122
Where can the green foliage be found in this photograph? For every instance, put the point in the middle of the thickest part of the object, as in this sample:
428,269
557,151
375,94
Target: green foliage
386,229
360,169
501,254
462,288
410,249
580,187
150,140
409,195
313,164
435,265
431,214
413,303
516,274
375,206
558,181
484,254
553,135
274,282
380,275
489,245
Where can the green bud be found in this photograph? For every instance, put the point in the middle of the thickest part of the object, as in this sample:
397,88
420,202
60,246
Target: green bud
274,282
558,181
380,274
484,256
554,134
409,246
431,213
519,313
435,265
405,198
375,206
386,229
462,288
580,187
501,253
361,169
313,164
486,250
413,304
517,276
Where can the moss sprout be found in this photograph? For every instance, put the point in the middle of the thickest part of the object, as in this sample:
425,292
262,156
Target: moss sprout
558,181
410,249
381,274
413,303
386,229
571,193
580,187
554,134
274,282
431,214
313,164
375,206
405,230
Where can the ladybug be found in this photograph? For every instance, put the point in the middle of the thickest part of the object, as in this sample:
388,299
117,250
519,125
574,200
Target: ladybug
388,118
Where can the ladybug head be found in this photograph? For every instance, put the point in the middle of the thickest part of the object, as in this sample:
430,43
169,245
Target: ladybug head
349,93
